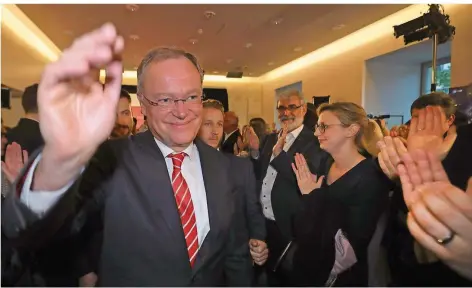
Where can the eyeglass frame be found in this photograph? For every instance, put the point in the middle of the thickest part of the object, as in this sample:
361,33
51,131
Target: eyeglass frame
174,101
326,126
291,108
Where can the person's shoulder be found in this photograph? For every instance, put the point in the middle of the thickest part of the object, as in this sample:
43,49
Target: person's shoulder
465,131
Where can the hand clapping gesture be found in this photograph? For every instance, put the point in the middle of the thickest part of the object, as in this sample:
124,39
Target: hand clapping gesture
440,215
279,146
307,181
15,160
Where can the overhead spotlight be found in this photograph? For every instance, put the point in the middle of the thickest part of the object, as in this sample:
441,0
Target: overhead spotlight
248,45
338,27
134,37
209,14
270,63
132,7
229,60
297,49
200,31
277,21
193,41
435,22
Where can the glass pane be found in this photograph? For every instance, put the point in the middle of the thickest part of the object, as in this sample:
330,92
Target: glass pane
443,79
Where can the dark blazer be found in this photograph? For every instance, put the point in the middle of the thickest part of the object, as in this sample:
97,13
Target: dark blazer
228,144
143,241
27,134
285,193
243,172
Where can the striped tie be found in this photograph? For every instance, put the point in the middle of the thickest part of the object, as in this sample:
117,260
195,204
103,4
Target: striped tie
184,202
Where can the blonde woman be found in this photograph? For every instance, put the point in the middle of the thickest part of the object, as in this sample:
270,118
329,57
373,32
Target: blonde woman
351,184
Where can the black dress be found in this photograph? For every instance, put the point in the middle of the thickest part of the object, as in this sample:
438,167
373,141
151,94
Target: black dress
356,201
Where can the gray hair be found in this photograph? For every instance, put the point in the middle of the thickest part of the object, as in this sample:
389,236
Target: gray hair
164,53
290,93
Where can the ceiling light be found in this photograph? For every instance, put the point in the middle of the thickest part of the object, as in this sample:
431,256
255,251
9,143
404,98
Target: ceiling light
338,27
200,31
277,21
245,67
229,60
297,49
209,14
250,74
248,45
215,72
193,41
135,67
270,63
134,37
132,7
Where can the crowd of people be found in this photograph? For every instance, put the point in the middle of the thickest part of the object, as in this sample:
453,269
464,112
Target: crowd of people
333,198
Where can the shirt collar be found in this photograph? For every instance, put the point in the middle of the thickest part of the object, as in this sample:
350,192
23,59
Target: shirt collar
229,134
190,150
296,132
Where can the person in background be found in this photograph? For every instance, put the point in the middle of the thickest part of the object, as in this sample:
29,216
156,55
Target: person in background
232,134
4,140
431,129
135,123
311,118
27,133
211,132
124,118
260,128
351,179
144,127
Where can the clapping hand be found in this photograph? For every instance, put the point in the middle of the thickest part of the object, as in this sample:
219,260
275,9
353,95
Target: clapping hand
307,181
279,146
251,138
15,160
427,132
440,216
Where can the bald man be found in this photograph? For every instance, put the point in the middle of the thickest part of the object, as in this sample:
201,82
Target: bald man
231,130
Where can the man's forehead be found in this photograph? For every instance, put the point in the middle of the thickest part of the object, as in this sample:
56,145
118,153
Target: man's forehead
290,100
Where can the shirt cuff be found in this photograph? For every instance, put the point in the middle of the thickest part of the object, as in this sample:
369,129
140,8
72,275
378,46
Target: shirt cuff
40,202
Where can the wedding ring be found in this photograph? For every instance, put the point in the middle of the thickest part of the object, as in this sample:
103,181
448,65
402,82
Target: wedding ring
446,240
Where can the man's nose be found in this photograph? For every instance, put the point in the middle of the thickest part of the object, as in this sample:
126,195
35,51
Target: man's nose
180,109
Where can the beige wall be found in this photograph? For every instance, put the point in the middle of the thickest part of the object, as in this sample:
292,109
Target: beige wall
342,76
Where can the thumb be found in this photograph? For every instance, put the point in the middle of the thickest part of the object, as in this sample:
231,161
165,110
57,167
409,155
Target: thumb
254,243
320,180
469,187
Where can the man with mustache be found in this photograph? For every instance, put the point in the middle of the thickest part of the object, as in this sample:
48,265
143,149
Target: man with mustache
166,199
279,193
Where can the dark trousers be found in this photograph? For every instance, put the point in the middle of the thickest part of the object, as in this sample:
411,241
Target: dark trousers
276,242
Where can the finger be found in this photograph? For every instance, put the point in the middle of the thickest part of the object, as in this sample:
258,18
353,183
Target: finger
427,221
437,123
469,187
424,238
430,119
443,210
306,169
320,180
421,119
411,169
25,156
295,170
407,186
400,146
422,163
413,126
114,75
437,169
393,155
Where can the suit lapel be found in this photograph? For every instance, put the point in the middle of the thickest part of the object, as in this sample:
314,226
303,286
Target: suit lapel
302,140
215,179
158,190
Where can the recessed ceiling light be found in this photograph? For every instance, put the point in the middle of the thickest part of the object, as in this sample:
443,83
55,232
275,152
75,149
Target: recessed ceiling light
193,41
338,27
134,37
209,14
277,21
215,72
132,7
270,63
250,74
200,31
245,67
229,60
135,67
297,49
248,45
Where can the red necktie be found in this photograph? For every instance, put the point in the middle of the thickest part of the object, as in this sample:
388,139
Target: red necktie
184,202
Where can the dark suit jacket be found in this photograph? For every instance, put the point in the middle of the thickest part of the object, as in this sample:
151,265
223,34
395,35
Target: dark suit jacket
285,193
143,241
228,144
251,211
27,134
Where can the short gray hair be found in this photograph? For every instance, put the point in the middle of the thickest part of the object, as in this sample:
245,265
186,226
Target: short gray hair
289,93
164,53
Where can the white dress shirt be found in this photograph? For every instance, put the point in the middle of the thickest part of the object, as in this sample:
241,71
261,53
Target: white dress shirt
269,179
41,201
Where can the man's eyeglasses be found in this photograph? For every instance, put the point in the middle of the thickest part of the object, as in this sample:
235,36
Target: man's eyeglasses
290,108
166,102
322,127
